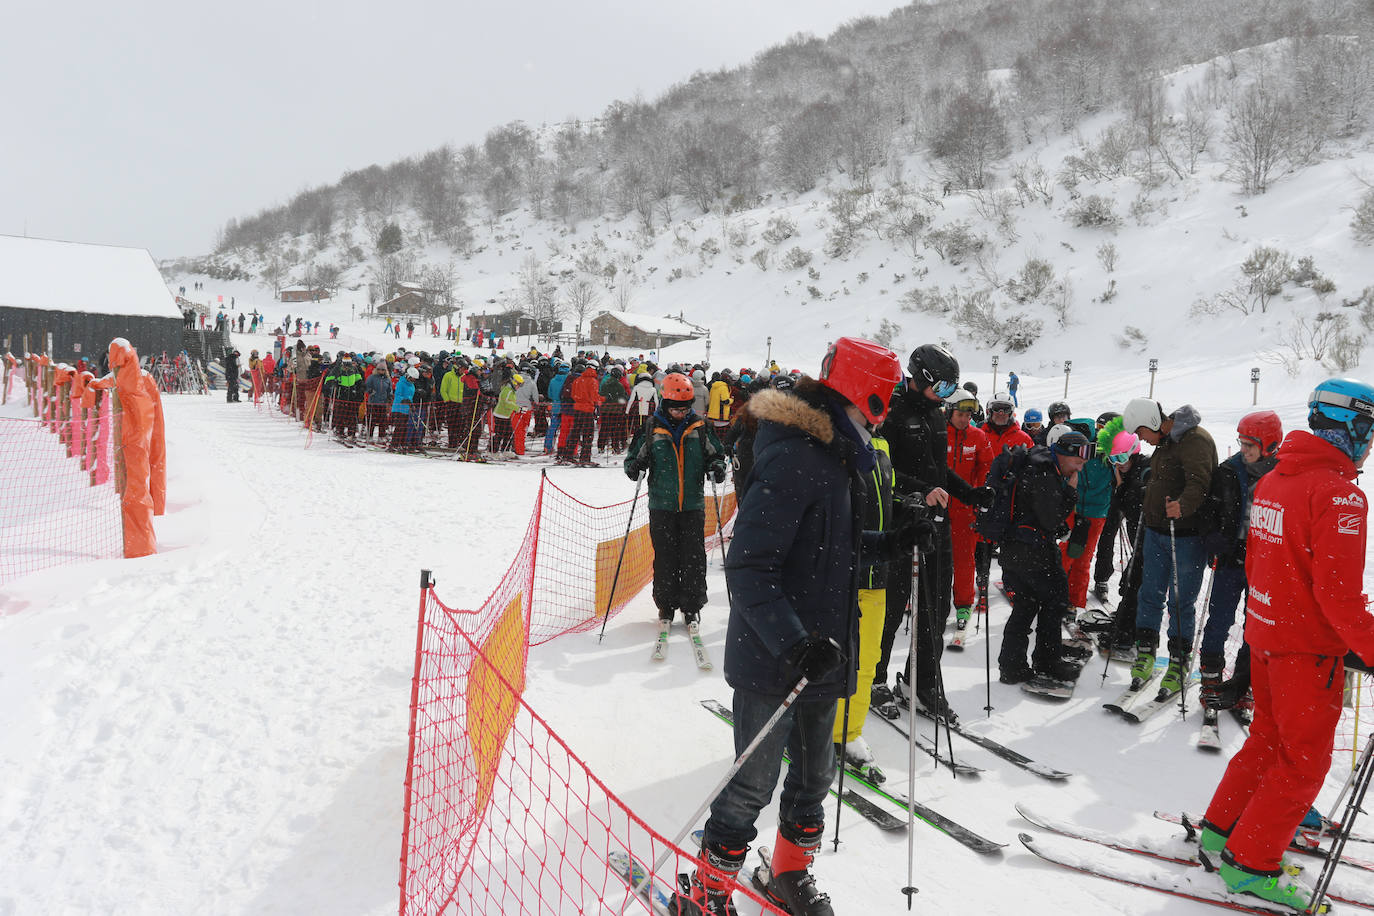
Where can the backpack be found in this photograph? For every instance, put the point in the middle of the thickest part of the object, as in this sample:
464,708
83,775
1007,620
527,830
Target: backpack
995,524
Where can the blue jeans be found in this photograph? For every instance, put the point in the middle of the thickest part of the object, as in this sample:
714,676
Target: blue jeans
1157,583
1228,585
806,732
1014,401
551,437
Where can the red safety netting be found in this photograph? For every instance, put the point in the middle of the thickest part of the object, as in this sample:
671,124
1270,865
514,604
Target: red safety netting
501,816
56,472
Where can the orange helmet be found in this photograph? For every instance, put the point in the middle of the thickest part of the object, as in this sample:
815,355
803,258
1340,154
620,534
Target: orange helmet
677,387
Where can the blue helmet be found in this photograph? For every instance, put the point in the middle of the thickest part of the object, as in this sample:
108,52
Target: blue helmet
1344,404
1034,416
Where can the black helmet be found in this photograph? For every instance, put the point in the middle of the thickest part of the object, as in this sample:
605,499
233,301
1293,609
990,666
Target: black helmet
1057,408
931,365
1106,417
970,387
783,382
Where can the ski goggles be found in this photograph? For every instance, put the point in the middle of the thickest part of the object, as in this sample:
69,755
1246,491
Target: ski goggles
944,389
1120,458
968,405
1084,450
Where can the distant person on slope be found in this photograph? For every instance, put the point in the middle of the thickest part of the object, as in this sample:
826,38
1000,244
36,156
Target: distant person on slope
1305,557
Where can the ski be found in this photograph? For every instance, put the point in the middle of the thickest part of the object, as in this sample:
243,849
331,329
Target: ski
632,873
1163,699
1131,696
698,647
1209,735
924,745
871,812
1001,750
1306,840
1125,868
956,644
661,646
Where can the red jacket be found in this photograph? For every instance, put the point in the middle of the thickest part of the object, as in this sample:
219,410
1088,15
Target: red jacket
1305,552
1012,435
586,392
969,454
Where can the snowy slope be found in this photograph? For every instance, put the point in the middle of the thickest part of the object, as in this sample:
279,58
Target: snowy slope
221,728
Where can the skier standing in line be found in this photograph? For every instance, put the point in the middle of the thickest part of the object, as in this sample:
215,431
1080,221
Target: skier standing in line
1172,557
1305,611
1090,515
969,455
916,437
1044,496
679,451
1233,489
792,576
1033,424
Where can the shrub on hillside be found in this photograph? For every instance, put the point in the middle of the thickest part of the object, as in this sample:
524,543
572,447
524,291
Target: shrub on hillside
1035,278
796,258
780,228
1363,223
1094,212
956,242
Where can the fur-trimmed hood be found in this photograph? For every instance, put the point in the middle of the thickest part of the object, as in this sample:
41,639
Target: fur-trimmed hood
793,410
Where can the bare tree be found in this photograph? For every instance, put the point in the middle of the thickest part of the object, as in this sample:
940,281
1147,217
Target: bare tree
971,137
582,298
1257,126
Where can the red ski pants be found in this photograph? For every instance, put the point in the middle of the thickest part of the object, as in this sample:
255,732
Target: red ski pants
964,541
1270,785
1080,568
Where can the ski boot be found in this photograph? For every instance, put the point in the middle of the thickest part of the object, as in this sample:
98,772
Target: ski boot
1276,886
858,758
928,701
881,701
1100,591
1211,666
1211,839
1180,660
707,892
791,887
1146,643
961,617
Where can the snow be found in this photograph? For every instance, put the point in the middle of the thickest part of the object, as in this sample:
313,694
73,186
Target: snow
78,277
667,325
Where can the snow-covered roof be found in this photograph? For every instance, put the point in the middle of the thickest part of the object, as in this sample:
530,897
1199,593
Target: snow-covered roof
670,326
78,277
299,288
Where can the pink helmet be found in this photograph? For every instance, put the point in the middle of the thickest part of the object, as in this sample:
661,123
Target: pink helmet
1124,445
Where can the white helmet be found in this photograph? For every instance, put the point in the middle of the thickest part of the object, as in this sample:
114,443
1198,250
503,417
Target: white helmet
1055,432
412,372
1142,412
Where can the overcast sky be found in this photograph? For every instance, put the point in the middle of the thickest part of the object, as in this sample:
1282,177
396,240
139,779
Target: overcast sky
152,123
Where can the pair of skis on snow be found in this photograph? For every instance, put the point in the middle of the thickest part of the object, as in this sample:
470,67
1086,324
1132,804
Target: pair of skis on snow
660,652
1165,861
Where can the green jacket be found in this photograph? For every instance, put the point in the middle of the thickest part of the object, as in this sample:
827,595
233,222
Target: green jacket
677,469
451,388
505,402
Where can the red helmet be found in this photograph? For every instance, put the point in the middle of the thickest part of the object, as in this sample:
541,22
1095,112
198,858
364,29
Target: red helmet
1262,427
864,372
677,387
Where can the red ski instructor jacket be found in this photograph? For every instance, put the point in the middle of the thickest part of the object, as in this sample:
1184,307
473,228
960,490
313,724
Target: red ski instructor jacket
1305,555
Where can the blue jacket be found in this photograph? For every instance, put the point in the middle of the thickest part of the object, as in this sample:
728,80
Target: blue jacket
794,562
556,389
405,393
378,387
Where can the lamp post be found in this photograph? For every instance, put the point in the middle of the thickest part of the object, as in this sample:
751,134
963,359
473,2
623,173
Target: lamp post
1254,380
1068,367
994,375
606,341
1154,367
708,349
658,343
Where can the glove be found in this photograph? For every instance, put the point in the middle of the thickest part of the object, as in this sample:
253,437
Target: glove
915,533
1078,538
815,656
636,466
717,471
983,497
1354,661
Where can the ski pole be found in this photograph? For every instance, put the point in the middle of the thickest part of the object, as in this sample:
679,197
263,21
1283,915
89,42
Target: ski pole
1126,573
987,643
910,888
740,761
720,529
1361,780
1197,637
1175,621
839,790
615,579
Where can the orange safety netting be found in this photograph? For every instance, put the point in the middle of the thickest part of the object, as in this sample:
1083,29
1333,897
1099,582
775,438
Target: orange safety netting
501,816
60,502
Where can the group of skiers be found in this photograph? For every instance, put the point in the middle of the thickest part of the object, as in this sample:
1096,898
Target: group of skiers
850,481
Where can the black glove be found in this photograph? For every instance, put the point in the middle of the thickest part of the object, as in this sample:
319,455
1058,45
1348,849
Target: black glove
1354,661
815,656
1078,538
983,497
636,466
717,471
